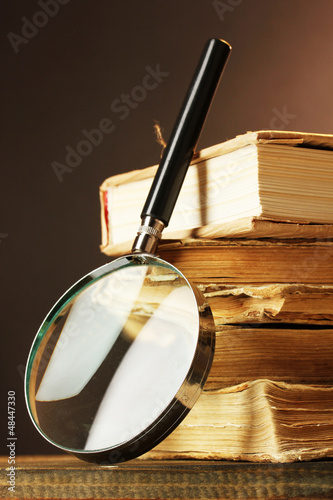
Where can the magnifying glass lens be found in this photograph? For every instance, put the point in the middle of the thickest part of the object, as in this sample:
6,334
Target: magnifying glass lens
114,355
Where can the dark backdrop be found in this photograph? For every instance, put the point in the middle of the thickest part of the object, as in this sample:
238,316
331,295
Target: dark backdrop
64,64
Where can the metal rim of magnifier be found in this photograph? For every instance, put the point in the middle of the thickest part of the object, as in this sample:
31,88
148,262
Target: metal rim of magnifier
183,400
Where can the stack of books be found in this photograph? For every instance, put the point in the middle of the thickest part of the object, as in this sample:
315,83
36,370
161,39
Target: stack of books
253,229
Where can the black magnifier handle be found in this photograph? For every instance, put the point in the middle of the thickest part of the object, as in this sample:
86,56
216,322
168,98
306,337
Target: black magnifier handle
178,153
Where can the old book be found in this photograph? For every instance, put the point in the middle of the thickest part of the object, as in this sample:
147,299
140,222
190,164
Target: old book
261,184
280,353
256,421
277,303
252,262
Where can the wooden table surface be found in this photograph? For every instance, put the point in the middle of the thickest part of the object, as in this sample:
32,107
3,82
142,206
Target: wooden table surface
38,477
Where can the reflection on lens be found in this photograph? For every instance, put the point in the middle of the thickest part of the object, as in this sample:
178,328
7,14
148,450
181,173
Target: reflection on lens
112,356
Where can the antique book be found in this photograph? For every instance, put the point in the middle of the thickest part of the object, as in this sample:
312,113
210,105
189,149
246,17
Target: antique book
252,262
265,304
275,184
280,353
258,421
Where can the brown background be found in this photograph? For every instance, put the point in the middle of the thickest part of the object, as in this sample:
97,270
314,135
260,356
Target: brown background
64,80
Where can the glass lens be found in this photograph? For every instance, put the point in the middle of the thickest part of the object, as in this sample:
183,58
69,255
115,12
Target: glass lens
112,354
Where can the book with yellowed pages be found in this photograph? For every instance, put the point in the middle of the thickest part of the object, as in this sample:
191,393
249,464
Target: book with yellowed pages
267,183
258,421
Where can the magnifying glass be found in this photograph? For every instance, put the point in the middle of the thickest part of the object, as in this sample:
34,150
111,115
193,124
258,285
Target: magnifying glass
123,355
